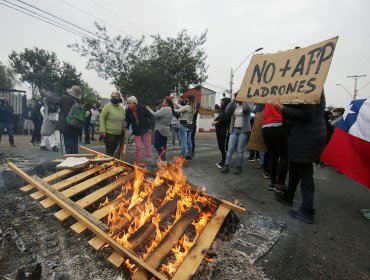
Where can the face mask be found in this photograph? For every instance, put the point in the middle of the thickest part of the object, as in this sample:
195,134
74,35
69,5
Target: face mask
114,100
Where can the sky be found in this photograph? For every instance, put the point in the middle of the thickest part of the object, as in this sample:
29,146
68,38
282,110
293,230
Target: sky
235,28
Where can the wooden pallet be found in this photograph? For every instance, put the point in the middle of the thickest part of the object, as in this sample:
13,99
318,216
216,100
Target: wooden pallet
94,184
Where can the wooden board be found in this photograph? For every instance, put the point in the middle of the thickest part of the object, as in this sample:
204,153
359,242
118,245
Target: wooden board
199,249
96,242
48,179
72,180
62,215
76,189
86,218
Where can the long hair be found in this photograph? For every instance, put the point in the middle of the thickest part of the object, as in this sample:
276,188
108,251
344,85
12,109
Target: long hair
191,99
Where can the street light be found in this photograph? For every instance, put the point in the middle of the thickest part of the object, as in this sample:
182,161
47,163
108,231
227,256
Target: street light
350,94
236,69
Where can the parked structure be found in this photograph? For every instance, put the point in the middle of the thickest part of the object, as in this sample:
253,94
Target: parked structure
18,100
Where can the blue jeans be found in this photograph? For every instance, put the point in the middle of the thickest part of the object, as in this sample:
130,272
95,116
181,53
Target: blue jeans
9,128
175,134
185,138
237,141
70,143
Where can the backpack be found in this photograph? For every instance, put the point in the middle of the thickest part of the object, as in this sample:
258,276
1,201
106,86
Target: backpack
76,115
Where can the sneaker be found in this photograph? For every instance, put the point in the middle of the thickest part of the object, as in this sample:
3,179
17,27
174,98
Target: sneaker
188,158
301,216
258,166
271,187
266,175
220,165
225,169
282,197
55,149
37,143
32,144
251,159
280,188
12,145
43,148
238,170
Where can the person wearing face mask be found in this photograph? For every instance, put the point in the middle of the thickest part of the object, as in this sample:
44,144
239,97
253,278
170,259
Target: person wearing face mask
112,119
162,129
142,122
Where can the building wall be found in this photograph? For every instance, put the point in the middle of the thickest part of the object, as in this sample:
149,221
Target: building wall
206,98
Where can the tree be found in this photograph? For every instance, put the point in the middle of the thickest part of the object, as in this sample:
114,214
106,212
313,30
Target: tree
89,95
148,72
8,77
38,67
66,78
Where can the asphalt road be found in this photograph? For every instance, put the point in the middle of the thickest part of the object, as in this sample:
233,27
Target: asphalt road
336,246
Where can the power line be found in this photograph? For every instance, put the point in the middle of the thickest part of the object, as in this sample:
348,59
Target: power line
36,8
118,16
31,14
86,13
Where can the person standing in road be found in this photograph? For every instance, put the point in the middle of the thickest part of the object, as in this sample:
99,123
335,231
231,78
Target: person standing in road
95,115
112,120
306,139
162,129
6,120
240,128
37,122
142,122
222,124
186,125
65,103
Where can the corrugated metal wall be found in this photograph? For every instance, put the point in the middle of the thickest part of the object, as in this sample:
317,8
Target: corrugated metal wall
16,100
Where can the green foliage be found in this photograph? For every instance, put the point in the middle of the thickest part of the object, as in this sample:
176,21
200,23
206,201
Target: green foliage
38,67
66,78
148,72
8,77
89,96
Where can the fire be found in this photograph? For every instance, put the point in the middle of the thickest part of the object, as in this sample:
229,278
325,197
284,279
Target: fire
145,206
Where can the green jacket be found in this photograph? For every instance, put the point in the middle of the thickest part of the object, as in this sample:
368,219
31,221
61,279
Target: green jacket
112,118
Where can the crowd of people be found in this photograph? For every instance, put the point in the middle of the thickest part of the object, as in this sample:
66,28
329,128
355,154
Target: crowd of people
294,135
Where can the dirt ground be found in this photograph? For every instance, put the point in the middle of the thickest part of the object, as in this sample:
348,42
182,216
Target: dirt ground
267,244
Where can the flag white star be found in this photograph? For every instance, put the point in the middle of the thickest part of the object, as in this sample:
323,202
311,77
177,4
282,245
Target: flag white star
348,111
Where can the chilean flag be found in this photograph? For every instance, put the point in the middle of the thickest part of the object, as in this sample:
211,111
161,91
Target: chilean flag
348,150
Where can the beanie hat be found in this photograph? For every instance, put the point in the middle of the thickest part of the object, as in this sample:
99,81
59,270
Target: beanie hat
75,92
132,99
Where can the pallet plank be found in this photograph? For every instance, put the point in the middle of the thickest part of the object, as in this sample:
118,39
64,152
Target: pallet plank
96,242
192,261
76,189
72,180
80,227
87,219
62,214
48,179
165,246
116,259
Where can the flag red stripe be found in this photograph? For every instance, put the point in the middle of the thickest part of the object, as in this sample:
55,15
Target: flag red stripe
350,155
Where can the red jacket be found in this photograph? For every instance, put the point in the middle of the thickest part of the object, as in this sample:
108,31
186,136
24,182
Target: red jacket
271,115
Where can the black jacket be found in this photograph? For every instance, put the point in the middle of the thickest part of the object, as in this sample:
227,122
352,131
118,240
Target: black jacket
223,118
146,120
306,130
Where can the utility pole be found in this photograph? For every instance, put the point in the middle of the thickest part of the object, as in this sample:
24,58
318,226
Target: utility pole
236,69
356,77
231,82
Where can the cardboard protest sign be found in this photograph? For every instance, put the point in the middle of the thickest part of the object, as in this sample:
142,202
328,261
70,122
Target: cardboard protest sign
292,76
256,140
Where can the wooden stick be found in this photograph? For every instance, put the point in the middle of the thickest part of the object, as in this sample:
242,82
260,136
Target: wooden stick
95,229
